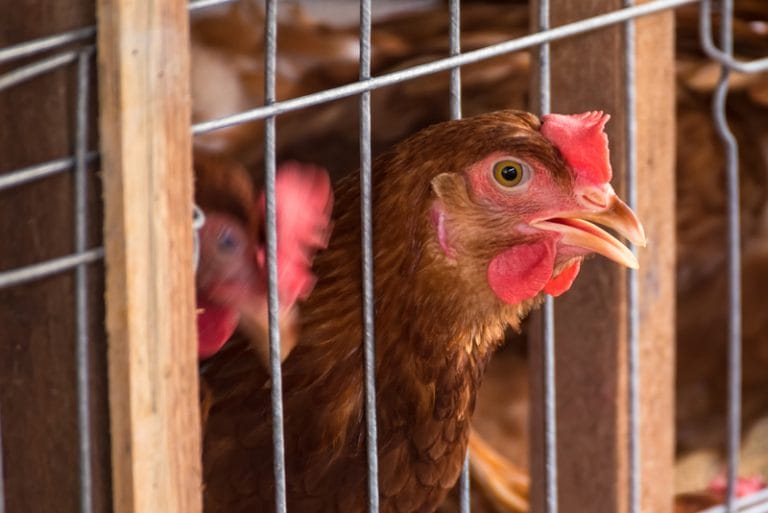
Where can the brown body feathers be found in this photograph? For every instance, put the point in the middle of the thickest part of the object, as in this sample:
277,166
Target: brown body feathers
434,335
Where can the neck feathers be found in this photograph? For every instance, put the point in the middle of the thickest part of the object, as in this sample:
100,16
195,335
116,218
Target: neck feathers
423,305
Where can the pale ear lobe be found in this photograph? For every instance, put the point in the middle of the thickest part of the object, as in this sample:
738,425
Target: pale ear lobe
447,183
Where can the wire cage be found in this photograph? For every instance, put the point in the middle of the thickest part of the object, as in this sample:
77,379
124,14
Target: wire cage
144,228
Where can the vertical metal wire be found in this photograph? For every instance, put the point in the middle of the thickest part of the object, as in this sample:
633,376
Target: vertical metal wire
81,283
270,58
369,341
198,220
633,328
455,106
464,495
455,36
545,86
734,256
548,313
2,477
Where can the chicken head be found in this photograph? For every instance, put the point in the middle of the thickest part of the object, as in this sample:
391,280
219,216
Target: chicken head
529,208
231,278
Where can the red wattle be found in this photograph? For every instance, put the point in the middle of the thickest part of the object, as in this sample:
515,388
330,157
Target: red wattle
563,281
215,324
522,271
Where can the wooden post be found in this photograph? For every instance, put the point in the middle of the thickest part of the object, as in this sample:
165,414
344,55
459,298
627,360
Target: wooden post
146,156
656,146
591,319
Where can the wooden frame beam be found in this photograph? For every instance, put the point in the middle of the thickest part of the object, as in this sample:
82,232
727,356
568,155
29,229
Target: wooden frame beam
591,319
146,158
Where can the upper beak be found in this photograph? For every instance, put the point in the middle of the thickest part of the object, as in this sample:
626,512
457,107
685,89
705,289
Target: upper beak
577,230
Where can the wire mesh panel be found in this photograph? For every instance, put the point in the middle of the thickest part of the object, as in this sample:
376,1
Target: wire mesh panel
289,105
42,57
367,84
54,387
54,431
734,230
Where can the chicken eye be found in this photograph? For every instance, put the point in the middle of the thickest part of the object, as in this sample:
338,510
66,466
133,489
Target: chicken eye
227,241
508,173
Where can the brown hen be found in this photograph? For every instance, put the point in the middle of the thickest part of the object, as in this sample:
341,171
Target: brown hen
474,220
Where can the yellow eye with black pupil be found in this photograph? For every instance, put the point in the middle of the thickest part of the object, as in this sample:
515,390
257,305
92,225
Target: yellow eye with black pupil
508,173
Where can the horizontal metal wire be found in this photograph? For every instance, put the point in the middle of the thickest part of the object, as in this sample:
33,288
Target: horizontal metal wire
49,267
753,503
39,171
488,52
46,43
758,508
37,68
204,4
43,44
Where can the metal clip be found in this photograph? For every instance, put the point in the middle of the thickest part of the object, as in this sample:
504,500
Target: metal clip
198,220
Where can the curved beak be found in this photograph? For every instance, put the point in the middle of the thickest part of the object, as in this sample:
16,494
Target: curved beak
578,229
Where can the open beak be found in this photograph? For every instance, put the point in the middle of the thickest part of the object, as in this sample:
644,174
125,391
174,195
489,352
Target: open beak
578,229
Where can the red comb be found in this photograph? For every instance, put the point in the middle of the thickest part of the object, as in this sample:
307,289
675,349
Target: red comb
581,140
304,203
744,485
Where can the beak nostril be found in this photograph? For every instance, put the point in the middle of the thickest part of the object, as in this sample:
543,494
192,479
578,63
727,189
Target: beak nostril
595,198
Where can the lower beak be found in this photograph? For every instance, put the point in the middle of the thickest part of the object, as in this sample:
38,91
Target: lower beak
578,229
